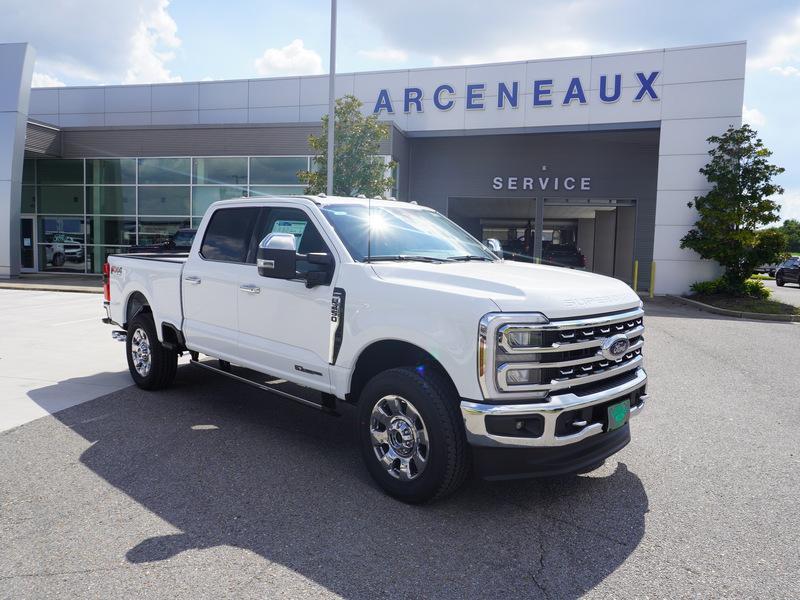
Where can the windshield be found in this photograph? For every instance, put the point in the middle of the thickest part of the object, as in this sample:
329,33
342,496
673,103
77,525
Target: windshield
400,233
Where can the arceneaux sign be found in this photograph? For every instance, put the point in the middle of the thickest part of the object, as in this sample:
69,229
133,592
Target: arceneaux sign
508,94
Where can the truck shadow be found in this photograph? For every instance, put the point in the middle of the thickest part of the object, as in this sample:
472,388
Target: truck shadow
228,465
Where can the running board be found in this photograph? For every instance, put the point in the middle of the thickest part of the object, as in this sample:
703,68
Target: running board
326,402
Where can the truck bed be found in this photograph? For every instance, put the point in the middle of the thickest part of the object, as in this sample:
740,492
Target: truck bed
156,276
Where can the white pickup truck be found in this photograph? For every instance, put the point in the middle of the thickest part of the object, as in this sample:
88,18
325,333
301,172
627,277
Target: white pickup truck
456,361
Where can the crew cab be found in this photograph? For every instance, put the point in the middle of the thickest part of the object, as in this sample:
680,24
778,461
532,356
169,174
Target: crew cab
456,361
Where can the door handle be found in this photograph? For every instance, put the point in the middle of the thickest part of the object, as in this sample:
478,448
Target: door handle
192,279
252,289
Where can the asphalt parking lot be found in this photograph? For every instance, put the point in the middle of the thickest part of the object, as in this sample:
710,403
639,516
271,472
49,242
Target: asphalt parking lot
211,489
789,293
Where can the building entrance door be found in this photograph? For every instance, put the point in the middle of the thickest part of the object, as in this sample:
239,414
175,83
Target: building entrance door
27,245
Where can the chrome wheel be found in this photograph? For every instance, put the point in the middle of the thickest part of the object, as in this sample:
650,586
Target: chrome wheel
399,437
140,352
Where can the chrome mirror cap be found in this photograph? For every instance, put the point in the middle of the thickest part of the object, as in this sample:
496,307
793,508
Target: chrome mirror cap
278,241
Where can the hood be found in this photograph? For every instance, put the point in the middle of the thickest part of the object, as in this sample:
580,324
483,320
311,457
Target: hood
519,287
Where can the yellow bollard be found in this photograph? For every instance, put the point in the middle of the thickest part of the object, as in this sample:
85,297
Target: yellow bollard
652,279
635,274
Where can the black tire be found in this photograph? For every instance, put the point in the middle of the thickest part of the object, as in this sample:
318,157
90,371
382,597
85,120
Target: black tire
58,259
447,455
163,363
779,281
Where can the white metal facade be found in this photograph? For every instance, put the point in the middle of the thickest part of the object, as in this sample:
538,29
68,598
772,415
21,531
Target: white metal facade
699,93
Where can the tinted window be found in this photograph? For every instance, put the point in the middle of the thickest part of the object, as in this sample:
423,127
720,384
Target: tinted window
228,235
298,223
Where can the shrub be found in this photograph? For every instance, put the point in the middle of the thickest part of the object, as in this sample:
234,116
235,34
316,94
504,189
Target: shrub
706,288
755,289
750,288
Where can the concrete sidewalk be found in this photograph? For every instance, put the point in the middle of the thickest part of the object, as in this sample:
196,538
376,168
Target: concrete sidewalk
54,353
55,282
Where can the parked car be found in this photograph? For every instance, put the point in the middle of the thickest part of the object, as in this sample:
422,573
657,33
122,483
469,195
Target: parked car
768,269
788,272
180,241
454,360
563,255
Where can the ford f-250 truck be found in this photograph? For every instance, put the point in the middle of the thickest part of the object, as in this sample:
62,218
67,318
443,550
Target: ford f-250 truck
457,361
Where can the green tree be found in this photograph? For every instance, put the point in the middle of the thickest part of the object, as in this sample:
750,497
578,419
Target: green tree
791,229
733,214
357,167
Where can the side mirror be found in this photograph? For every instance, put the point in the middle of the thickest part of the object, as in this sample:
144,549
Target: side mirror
494,245
277,256
320,276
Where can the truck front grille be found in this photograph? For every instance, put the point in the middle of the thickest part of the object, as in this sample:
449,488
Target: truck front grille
569,353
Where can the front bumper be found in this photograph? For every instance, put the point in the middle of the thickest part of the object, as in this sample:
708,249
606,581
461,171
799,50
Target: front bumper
549,430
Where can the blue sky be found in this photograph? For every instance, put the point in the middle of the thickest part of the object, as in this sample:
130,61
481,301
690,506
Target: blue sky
90,42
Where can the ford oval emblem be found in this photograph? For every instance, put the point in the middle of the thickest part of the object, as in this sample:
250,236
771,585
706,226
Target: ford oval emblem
615,347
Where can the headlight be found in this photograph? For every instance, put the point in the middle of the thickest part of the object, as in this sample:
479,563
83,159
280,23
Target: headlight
523,339
507,352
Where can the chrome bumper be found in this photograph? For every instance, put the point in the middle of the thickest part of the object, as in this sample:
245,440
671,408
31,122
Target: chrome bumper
475,414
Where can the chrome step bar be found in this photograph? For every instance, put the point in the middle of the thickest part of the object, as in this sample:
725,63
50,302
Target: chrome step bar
327,404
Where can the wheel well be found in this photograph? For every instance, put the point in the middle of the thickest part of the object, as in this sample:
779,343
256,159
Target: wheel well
136,303
390,354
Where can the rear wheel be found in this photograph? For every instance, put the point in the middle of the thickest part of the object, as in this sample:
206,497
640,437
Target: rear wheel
152,366
412,436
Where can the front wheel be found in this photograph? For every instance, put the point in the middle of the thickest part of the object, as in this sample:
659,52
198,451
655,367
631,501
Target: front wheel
152,366
412,436
779,281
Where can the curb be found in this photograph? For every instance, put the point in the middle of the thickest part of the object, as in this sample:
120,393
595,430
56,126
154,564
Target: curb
735,313
51,288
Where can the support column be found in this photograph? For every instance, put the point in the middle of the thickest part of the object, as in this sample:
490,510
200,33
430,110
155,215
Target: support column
537,237
16,71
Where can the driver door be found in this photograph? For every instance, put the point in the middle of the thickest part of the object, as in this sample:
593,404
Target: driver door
284,327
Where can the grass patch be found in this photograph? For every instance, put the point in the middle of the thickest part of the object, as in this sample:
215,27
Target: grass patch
762,277
745,304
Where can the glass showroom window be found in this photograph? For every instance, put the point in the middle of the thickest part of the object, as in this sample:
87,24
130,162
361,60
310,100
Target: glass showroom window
158,171
220,171
59,196
61,243
88,208
277,175
205,195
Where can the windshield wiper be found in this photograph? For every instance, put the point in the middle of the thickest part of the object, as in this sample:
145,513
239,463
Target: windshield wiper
405,257
468,257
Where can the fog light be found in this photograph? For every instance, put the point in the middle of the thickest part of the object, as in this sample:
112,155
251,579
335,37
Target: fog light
522,376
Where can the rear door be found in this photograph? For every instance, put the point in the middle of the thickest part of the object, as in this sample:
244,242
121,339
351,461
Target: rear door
211,279
793,270
284,327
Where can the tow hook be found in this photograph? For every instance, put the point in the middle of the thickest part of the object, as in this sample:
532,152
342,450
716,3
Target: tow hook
120,336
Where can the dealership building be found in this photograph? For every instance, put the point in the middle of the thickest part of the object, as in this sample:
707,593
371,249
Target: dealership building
595,154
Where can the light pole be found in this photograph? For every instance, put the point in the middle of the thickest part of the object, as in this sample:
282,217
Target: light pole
331,98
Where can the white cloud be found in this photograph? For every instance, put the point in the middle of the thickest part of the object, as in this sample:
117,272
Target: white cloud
385,55
95,41
152,43
786,71
780,49
294,59
45,80
790,204
753,116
